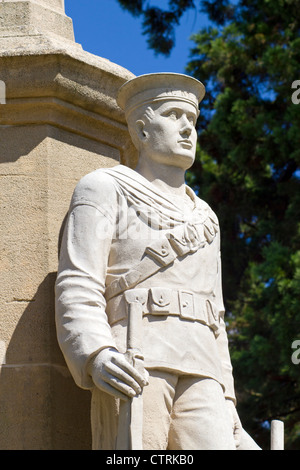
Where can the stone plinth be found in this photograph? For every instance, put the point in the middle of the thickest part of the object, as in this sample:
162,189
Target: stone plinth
20,18
60,121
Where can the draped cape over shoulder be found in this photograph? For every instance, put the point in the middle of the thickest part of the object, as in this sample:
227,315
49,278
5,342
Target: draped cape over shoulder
161,212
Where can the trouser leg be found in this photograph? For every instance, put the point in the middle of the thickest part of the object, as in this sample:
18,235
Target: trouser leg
200,419
180,413
185,413
157,402
157,405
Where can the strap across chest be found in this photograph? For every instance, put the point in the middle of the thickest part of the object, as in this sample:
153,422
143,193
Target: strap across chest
159,254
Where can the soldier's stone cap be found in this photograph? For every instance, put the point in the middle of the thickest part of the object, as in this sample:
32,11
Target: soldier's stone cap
145,89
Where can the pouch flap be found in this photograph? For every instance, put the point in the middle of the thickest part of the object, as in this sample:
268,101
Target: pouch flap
160,298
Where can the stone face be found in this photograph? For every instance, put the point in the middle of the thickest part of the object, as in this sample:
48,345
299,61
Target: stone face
60,121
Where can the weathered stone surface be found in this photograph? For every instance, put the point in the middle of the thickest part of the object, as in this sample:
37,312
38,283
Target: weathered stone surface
52,4
65,91
27,18
60,121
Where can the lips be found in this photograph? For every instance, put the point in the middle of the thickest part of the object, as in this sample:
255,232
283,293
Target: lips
186,143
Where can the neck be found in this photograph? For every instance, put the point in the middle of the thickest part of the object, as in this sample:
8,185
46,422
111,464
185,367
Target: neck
168,179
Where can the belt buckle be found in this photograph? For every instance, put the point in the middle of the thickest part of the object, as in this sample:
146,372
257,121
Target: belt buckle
186,302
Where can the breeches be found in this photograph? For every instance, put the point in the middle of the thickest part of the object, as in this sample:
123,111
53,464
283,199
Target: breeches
180,413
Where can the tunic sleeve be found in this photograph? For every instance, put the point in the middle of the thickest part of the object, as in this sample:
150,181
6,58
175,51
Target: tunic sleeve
81,321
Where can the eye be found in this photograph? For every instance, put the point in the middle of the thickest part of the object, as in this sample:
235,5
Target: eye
192,120
172,114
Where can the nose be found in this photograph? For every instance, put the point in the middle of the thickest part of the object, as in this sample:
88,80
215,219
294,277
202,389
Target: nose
187,126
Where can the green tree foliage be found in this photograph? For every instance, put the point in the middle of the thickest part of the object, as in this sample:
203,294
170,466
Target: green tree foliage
247,169
158,24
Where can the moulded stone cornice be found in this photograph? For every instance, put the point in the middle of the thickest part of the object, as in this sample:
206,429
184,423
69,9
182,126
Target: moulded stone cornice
66,87
50,79
86,83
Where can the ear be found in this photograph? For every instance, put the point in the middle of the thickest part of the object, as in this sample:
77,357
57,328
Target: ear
140,130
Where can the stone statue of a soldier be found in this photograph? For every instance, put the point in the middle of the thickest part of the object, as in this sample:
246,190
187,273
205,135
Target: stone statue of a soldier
144,235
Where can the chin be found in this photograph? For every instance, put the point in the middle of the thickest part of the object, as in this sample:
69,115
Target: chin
184,161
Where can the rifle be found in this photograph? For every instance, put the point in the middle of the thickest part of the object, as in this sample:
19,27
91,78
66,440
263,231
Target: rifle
130,427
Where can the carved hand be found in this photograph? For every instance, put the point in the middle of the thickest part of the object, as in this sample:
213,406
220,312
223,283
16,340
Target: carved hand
236,423
112,373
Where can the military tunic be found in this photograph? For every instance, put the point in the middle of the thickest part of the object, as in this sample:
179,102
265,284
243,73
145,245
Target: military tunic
122,235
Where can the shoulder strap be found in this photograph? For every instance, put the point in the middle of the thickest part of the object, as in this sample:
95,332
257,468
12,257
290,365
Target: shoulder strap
158,255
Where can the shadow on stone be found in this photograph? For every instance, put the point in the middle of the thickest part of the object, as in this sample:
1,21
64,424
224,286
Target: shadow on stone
41,407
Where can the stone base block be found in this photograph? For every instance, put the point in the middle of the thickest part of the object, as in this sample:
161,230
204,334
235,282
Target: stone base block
37,400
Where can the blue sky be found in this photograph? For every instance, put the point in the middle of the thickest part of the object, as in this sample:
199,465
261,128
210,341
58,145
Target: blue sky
104,29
